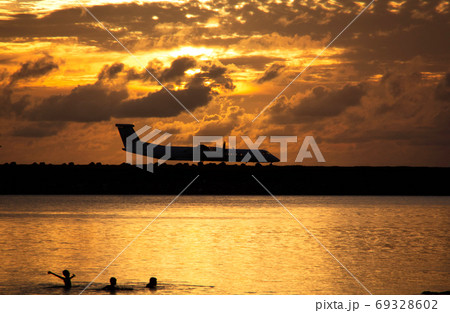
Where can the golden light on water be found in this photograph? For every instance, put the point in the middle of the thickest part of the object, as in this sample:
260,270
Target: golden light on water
249,245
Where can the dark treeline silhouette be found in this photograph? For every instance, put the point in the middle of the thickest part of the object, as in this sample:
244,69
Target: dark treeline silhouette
217,179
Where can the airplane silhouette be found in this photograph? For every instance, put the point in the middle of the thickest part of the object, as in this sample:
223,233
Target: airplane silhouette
186,153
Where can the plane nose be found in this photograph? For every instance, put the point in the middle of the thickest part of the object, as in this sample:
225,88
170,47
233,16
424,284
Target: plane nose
274,159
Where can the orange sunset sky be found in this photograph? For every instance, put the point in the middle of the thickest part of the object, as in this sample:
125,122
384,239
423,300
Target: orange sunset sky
379,95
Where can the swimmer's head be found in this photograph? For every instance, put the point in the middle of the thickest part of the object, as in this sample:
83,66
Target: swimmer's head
66,273
113,281
153,282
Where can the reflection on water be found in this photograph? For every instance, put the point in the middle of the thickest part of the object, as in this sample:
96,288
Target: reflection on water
225,245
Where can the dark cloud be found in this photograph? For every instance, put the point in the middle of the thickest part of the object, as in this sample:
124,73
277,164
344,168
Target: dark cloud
319,104
87,103
105,99
14,106
161,104
9,107
4,75
443,89
402,108
177,69
133,22
110,72
194,95
5,100
272,72
37,129
28,70
174,73
6,60
34,69
215,73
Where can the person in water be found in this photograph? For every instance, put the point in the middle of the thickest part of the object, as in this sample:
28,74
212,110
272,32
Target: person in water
152,283
67,278
112,284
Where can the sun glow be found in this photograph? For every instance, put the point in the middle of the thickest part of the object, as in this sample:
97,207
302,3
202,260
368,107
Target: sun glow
43,7
192,72
193,51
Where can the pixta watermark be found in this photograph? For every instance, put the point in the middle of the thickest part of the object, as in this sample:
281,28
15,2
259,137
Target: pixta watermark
252,153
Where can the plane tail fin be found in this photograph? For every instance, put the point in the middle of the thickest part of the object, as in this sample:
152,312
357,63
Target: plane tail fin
126,130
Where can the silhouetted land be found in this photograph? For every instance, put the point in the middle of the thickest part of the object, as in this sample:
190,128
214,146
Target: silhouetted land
216,179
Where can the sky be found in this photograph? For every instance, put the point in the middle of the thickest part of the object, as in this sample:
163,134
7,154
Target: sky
378,96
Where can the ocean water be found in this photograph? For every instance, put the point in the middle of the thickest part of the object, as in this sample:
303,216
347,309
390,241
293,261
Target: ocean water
225,244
